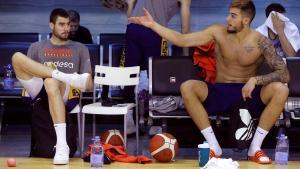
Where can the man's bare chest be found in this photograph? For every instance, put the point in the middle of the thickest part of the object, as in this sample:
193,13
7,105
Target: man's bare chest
243,54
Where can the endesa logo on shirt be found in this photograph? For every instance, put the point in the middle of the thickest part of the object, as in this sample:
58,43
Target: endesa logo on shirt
59,54
61,64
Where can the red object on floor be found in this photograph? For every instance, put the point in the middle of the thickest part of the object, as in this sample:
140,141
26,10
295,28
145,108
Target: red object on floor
118,153
11,162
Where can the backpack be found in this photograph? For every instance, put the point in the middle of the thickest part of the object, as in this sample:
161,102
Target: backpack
242,127
43,137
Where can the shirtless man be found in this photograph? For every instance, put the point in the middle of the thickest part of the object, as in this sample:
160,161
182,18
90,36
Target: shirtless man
69,58
240,50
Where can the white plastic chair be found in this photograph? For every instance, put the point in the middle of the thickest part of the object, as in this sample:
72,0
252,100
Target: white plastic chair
113,76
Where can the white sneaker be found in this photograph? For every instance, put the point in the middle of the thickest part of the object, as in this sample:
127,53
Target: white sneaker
61,155
79,81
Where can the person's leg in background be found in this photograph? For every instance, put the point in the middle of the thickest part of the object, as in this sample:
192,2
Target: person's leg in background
133,54
141,43
155,47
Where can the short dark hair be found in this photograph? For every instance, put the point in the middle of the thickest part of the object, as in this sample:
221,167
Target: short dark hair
246,6
58,12
74,16
274,7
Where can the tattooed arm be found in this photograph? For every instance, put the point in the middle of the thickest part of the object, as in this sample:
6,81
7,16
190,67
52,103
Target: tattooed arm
280,73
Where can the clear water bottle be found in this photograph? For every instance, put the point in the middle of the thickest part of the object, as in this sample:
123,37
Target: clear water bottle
282,150
8,82
97,154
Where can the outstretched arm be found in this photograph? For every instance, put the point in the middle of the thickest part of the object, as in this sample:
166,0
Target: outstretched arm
182,40
280,72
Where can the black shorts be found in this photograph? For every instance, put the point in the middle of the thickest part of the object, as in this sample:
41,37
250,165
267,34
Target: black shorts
223,96
70,103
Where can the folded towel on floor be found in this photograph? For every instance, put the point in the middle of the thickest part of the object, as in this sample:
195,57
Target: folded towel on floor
221,163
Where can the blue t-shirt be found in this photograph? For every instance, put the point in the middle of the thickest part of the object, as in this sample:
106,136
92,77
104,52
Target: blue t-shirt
278,47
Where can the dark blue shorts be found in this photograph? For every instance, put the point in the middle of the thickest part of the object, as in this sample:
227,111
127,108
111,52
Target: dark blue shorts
141,43
222,96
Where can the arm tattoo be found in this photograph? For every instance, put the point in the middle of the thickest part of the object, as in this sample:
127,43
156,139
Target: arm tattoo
249,49
280,72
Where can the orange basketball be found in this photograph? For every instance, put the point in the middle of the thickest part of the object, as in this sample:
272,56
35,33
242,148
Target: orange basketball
163,147
113,137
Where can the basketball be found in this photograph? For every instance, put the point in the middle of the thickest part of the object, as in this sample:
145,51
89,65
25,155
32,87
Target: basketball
163,147
113,137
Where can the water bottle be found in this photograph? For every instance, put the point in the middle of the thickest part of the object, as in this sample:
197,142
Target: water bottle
8,82
203,153
97,154
282,150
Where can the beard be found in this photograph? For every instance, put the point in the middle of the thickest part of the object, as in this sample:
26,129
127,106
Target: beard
235,29
63,36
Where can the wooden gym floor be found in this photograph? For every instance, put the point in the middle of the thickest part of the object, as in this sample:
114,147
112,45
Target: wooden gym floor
15,142
77,163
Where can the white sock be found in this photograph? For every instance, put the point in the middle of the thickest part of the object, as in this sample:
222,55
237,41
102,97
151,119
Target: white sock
256,143
61,76
60,130
210,137
74,80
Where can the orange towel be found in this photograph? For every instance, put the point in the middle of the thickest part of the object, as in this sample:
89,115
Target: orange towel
118,153
204,57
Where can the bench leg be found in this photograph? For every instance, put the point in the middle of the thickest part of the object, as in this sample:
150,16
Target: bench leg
164,125
1,114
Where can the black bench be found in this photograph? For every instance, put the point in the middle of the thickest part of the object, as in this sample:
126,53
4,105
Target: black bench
105,39
7,49
20,37
293,102
165,77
